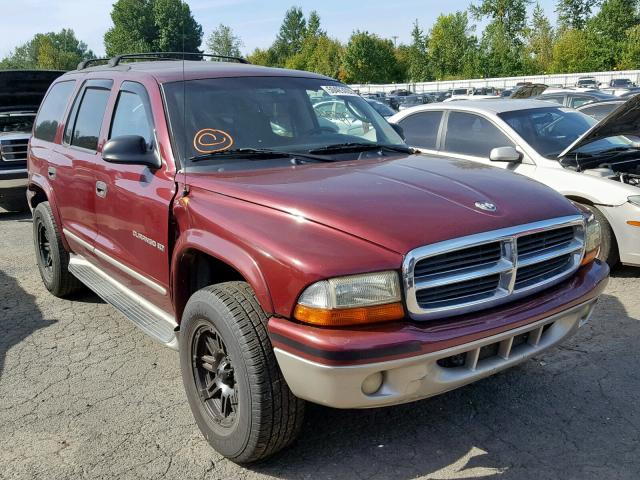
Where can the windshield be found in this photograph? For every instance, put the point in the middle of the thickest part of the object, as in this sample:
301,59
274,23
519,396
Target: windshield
16,123
275,113
551,130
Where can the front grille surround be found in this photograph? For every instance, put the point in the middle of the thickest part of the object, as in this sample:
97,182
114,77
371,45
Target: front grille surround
14,150
552,251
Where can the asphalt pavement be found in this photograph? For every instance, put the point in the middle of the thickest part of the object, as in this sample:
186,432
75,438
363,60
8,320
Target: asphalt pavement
84,394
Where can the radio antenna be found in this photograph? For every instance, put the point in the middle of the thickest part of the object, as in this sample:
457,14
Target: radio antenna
185,189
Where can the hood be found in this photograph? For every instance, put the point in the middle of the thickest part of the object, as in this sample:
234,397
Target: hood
624,120
399,203
23,90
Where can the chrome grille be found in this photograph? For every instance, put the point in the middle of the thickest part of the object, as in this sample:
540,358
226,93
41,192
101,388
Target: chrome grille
14,150
487,269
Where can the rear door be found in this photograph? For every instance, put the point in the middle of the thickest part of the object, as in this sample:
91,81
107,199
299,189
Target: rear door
421,130
133,208
72,165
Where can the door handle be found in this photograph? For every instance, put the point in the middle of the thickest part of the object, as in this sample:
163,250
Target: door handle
101,189
51,171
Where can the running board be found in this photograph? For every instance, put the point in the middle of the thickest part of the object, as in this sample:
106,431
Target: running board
150,319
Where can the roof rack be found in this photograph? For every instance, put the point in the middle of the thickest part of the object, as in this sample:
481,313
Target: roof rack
115,61
86,63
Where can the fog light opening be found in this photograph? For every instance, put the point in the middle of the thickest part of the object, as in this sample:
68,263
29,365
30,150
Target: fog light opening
372,383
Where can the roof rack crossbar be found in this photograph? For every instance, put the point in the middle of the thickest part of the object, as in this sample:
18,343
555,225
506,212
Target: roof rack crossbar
115,61
85,63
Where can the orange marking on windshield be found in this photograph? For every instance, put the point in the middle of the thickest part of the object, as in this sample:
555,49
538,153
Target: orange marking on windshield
209,140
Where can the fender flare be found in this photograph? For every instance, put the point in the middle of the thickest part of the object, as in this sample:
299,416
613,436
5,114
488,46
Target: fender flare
224,251
39,181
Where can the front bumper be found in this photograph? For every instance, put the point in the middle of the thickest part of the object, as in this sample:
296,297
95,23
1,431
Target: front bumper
419,360
13,179
628,236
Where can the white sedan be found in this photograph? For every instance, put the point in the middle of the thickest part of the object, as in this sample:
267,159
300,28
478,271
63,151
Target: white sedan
595,164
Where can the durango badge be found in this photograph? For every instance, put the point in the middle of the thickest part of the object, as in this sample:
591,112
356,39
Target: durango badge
487,206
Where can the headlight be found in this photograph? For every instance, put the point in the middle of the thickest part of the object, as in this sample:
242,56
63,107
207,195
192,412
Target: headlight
635,200
591,239
352,300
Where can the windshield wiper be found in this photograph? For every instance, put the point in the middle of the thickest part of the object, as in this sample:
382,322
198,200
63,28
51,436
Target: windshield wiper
356,146
255,154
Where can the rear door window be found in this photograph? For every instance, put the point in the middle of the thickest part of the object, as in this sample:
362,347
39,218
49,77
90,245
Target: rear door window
52,110
85,123
553,98
470,134
576,101
421,129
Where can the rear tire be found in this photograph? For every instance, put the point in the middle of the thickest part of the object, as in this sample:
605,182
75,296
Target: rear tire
51,256
608,246
235,389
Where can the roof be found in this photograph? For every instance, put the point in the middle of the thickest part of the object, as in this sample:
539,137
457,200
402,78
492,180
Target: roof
488,105
175,70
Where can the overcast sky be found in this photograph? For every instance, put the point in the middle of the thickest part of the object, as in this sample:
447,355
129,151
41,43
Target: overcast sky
256,22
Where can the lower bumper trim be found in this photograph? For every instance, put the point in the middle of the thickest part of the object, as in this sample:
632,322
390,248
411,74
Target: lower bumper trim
423,376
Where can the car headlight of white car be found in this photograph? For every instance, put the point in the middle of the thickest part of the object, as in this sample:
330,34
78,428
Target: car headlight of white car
592,239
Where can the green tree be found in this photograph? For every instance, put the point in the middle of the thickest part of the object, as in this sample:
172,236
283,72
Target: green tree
53,50
511,14
313,25
573,53
417,58
265,57
630,57
370,59
452,49
322,55
540,37
574,13
291,35
609,30
222,41
502,39
152,25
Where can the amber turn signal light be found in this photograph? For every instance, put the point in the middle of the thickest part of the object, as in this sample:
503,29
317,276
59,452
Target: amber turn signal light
343,317
633,223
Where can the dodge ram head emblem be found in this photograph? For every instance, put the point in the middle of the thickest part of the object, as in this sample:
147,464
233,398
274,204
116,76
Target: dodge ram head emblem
488,206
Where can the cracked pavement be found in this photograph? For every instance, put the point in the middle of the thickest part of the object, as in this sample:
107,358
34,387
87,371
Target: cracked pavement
84,394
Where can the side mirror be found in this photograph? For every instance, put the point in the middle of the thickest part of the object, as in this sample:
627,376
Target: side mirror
399,130
131,150
505,154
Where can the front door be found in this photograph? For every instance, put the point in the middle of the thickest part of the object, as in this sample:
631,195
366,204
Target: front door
133,209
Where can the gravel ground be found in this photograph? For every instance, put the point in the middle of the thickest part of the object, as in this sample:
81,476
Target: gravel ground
84,394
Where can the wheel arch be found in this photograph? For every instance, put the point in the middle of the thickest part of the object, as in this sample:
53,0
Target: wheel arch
39,191
202,259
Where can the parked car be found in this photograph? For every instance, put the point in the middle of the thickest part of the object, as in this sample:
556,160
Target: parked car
383,109
21,92
587,82
600,110
411,101
621,83
573,98
630,93
589,162
211,204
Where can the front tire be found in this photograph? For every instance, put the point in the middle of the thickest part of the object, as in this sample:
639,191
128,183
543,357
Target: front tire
235,389
51,256
608,245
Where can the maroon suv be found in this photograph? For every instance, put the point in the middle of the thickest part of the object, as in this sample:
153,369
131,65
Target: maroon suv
276,230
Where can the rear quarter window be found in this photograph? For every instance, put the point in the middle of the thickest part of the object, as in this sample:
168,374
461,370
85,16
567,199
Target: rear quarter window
52,110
